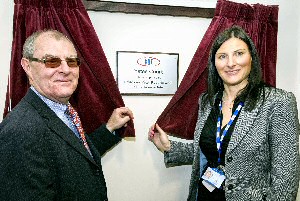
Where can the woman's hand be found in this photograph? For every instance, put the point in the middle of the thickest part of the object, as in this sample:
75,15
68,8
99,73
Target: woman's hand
160,139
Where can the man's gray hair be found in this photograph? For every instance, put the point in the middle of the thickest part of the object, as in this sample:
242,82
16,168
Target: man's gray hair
29,45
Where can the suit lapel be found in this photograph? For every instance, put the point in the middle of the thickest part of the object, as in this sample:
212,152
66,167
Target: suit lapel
201,123
242,127
56,124
62,130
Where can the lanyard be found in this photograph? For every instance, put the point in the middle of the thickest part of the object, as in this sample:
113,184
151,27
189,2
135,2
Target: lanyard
219,139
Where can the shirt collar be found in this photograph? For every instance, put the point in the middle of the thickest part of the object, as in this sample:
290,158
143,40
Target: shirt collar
55,106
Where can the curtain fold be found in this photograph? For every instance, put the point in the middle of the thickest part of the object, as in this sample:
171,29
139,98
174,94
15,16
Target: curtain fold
97,94
260,22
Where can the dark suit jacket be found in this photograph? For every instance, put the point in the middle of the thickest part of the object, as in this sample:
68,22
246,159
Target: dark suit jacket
42,159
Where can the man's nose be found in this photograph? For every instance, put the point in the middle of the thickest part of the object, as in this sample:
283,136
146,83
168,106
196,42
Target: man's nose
64,66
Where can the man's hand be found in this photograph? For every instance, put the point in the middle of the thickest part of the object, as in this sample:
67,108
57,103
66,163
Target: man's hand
119,118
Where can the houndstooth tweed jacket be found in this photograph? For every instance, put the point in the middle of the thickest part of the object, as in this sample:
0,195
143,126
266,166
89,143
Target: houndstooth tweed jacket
262,159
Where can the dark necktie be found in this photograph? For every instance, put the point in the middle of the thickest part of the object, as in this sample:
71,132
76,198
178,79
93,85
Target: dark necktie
76,120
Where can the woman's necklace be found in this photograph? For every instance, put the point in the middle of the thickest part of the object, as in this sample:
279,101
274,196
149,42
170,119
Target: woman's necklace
227,103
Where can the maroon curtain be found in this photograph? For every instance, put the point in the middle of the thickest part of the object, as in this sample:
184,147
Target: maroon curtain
97,94
260,22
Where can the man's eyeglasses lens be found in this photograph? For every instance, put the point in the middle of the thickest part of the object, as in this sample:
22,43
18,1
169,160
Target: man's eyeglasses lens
55,62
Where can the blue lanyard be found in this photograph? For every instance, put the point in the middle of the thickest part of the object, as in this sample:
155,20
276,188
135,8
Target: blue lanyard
219,139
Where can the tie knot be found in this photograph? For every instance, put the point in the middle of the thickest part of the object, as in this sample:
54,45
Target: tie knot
74,115
71,110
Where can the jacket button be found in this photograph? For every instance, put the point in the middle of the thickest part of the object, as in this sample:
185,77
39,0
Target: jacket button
230,187
229,159
97,172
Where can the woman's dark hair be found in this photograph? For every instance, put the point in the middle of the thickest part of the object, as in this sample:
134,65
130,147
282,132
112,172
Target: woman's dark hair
255,84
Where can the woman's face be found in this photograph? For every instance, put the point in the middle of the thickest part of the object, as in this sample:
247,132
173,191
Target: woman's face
233,62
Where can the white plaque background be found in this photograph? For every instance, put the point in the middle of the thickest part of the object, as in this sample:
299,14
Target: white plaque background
147,73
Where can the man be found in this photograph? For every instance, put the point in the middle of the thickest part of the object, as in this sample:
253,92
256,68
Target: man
44,155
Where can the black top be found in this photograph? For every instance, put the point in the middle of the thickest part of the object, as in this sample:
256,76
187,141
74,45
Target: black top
208,145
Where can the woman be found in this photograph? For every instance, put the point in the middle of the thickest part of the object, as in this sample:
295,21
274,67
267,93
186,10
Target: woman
246,138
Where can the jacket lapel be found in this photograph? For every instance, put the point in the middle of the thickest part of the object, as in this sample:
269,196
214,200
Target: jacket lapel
56,124
243,125
63,131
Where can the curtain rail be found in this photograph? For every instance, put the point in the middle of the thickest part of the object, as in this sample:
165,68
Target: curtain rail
148,9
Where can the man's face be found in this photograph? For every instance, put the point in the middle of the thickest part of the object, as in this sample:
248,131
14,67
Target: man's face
57,84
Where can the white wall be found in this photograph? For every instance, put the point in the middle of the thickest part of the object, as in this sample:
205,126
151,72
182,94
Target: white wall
134,170
143,167
6,24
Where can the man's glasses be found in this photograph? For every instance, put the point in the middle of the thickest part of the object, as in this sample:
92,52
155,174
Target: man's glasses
54,62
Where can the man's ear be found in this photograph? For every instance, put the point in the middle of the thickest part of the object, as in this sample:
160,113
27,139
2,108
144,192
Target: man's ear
26,67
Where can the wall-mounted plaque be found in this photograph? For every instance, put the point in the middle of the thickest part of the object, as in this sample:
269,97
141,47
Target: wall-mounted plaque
147,73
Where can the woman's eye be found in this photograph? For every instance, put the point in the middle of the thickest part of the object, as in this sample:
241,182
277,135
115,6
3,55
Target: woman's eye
239,53
222,56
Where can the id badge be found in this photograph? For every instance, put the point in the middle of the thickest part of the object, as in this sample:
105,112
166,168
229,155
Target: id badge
214,176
